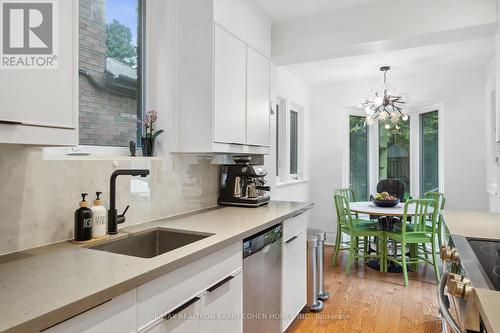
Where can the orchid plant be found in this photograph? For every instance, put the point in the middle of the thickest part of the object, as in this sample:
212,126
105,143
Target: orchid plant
149,125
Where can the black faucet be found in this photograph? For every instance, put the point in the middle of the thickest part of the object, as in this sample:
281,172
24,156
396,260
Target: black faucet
113,218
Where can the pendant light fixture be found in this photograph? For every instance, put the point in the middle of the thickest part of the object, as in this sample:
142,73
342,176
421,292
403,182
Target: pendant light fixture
383,106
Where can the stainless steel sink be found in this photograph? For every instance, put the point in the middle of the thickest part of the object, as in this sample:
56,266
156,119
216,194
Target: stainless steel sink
150,243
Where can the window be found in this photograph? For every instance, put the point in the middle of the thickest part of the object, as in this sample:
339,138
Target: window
110,72
288,141
429,152
278,133
294,142
394,152
358,157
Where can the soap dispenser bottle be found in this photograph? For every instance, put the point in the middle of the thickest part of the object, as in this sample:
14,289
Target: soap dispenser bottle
83,222
99,218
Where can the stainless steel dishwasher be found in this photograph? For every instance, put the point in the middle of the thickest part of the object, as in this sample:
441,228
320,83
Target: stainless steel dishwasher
262,282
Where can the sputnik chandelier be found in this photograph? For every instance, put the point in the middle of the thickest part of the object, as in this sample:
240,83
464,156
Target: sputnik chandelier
384,106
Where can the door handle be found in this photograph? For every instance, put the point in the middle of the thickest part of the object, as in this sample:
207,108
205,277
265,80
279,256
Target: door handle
291,239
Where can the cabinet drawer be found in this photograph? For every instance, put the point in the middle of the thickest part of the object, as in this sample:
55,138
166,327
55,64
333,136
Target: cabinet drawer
294,278
223,306
295,225
117,315
185,320
168,292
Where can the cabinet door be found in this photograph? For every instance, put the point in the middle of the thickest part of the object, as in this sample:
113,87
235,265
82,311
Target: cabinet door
117,315
223,300
258,73
46,97
294,281
184,319
230,87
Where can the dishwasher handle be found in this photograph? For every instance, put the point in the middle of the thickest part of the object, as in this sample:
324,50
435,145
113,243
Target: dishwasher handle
444,306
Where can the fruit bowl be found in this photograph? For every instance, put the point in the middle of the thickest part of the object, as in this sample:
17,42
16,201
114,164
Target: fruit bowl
384,199
386,203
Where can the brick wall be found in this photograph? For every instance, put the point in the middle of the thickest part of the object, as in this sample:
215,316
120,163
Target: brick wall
106,118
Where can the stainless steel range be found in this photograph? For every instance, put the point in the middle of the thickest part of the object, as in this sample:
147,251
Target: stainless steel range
468,263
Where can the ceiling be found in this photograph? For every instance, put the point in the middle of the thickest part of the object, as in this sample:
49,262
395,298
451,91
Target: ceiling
283,10
469,54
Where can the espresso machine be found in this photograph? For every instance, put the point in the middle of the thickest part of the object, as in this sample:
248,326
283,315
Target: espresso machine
243,184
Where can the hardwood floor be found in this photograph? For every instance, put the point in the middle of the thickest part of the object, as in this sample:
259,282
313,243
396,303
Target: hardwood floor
370,301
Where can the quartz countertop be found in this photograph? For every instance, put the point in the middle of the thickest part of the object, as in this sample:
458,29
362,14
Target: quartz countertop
46,285
473,224
488,303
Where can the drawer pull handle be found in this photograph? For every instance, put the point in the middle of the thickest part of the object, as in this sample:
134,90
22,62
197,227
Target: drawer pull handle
172,314
10,122
220,283
291,239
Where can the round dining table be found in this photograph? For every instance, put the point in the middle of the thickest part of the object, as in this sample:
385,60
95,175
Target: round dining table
369,208
387,217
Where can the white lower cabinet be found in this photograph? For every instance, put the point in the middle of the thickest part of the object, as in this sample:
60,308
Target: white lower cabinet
294,276
117,315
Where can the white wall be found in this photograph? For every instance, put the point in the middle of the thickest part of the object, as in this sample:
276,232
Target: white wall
288,85
464,132
493,174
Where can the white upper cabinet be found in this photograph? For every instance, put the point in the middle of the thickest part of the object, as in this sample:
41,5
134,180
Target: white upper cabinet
247,21
258,78
230,87
39,105
223,77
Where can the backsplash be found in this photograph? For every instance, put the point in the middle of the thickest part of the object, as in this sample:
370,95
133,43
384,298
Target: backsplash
40,196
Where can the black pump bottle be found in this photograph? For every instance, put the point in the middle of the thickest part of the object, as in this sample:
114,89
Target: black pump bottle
83,222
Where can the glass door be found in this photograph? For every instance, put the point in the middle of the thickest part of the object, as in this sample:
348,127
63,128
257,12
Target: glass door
394,152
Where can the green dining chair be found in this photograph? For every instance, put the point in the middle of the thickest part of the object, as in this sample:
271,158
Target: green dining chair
414,234
355,229
441,202
351,197
348,193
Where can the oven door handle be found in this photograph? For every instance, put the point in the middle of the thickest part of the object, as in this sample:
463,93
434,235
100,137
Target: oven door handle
443,307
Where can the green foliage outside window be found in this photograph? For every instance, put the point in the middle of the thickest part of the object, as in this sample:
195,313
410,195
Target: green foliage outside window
119,43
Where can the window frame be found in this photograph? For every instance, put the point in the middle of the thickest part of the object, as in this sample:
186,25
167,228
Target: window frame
348,151
111,153
285,106
119,151
415,153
